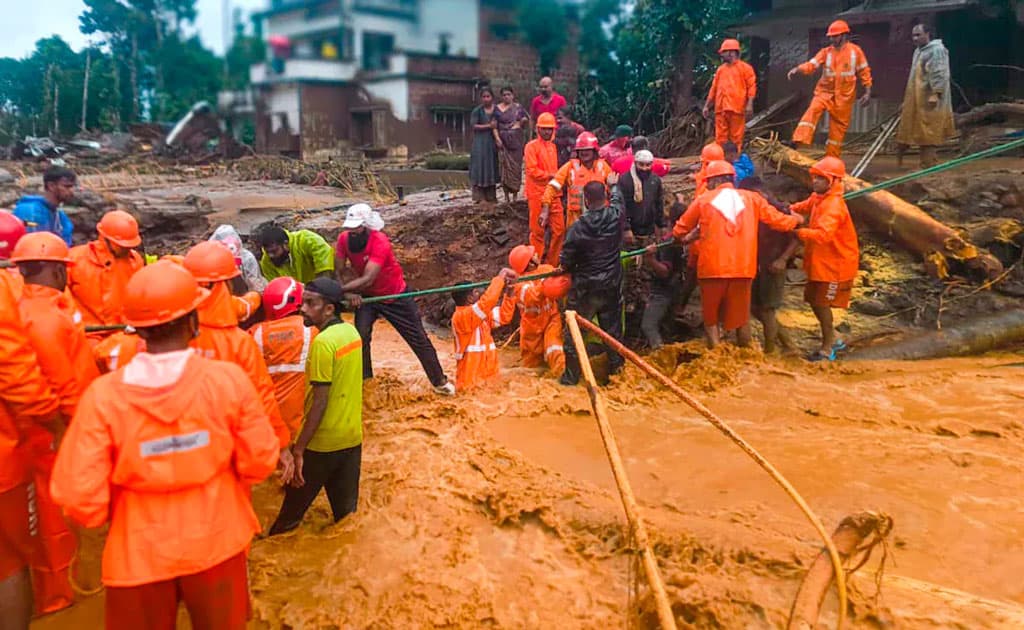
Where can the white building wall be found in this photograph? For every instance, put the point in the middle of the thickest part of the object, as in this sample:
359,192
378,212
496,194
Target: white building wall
283,103
392,91
295,23
458,18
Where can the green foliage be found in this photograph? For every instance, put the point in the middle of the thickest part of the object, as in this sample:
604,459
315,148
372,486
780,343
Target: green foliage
636,65
447,161
544,26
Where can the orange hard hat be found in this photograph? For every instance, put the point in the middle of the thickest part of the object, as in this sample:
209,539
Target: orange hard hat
177,259
719,168
556,287
120,228
11,229
829,167
211,261
520,256
40,246
587,140
546,121
283,296
712,152
729,44
839,27
160,293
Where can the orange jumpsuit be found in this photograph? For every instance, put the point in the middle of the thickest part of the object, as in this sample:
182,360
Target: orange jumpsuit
476,355
26,400
831,250
285,346
835,93
540,326
540,161
97,279
247,305
693,254
53,324
117,350
169,465
734,85
571,179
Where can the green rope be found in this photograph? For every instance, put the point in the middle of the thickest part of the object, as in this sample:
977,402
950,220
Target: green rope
945,166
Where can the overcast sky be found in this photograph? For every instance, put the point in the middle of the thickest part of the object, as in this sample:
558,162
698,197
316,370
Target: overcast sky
19,29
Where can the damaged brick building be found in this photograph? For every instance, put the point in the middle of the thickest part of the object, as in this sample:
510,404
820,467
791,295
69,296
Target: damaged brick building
387,76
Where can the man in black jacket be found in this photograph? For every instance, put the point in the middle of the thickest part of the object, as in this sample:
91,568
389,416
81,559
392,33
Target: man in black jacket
591,255
640,193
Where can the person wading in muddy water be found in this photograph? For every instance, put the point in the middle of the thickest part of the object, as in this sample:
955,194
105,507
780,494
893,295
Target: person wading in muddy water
368,250
328,451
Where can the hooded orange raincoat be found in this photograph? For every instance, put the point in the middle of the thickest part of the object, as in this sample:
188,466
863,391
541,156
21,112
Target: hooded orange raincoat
540,326
831,249
734,85
53,324
571,179
835,93
169,466
728,221
97,280
540,161
117,350
285,346
476,355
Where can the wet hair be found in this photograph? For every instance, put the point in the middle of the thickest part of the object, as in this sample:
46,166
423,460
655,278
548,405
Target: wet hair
640,143
461,296
508,88
57,173
487,90
271,235
595,194
729,147
170,330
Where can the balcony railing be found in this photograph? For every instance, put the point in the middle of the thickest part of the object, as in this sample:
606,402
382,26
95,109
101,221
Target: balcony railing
303,69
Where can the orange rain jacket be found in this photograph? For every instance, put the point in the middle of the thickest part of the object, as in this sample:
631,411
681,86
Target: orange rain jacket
476,355
26,399
840,70
571,179
285,346
728,249
117,350
831,250
540,159
734,85
221,338
97,280
170,467
247,305
540,326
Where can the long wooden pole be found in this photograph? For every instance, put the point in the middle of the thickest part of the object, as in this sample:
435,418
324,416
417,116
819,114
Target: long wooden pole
718,423
665,616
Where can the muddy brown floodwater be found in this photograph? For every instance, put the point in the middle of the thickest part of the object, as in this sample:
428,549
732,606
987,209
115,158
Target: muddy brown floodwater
499,509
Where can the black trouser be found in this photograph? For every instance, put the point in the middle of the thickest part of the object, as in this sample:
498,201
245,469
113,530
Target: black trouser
404,315
336,472
606,303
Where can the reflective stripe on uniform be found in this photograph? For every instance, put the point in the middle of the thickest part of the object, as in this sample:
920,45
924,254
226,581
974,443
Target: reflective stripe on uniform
496,316
258,337
114,354
299,366
805,124
555,183
554,348
481,348
479,311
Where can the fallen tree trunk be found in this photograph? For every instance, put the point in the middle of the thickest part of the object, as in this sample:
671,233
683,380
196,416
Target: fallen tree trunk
972,337
982,113
848,539
888,215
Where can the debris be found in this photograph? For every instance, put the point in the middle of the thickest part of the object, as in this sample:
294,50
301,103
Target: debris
985,113
6,177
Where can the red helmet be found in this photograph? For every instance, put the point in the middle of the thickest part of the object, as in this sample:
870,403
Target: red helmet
282,297
587,140
11,229
729,44
712,152
830,168
839,27
556,287
719,168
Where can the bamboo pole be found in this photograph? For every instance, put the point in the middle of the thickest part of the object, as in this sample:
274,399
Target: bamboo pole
837,564
665,615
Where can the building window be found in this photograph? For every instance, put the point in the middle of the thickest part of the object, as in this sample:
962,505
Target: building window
449,119
377,49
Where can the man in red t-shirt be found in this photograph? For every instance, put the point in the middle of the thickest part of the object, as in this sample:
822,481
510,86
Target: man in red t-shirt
378,273
547,99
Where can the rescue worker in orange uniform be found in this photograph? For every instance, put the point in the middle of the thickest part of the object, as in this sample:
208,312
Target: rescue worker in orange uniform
708,154
732,95
284,341
54,328
842,64
728,221
586,167
166,449
476,357
213,266
540,322
26,401
831,251
540,160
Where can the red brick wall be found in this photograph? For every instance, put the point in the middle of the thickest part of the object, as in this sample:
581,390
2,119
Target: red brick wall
516,63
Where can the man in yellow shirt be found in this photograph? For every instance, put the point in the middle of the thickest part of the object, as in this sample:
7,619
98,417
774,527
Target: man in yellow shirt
328,451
